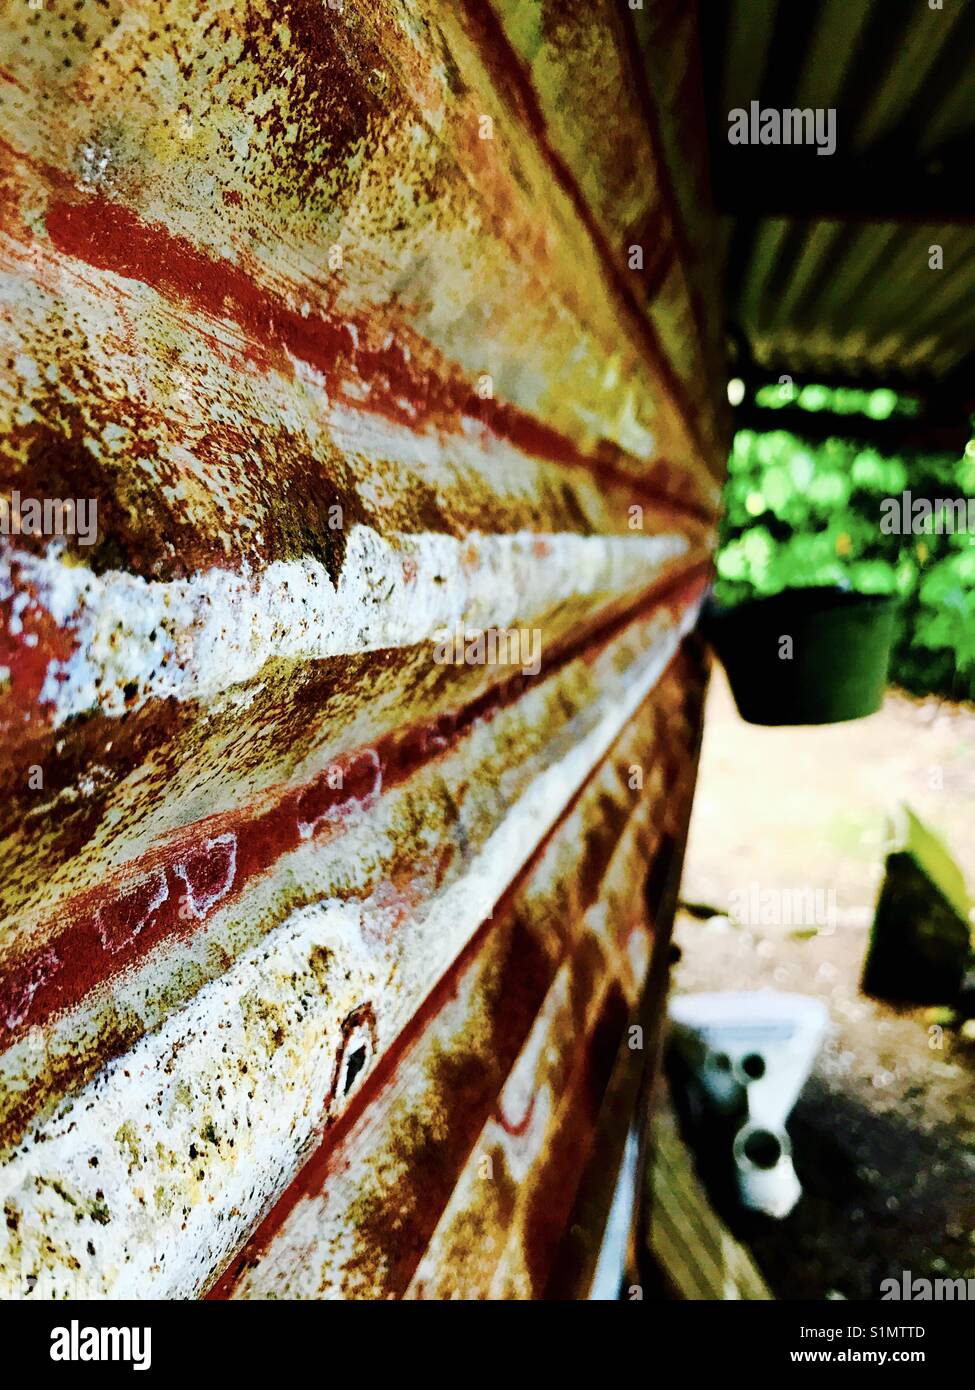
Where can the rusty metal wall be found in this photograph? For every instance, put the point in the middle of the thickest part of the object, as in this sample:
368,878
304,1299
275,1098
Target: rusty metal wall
320,952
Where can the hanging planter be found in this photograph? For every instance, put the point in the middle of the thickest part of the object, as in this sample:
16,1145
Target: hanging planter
805,656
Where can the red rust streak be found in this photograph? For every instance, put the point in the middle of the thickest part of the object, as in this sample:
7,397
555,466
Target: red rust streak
165,895
6,76
664,173
312,1175
556,1179
510,69
26,649
107,235
510,1127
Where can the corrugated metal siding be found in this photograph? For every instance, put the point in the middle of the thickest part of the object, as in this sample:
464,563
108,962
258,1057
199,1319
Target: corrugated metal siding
318,955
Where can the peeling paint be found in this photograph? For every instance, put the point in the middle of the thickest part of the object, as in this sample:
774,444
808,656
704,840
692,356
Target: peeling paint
316,952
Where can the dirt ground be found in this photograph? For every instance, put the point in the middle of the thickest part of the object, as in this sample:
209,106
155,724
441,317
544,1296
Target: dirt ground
884,1132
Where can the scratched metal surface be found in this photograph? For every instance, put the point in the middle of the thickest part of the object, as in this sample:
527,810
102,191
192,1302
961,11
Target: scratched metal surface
318,956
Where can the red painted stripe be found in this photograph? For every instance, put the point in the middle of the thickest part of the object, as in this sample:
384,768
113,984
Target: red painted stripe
109,236
556,1178
312,1175
168,893
516,1128
408,381
510,71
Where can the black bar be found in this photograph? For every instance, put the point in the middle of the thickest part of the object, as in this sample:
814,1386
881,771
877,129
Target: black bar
795,181
212,1342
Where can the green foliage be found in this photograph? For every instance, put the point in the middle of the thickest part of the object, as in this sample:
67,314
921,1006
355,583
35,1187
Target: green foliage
798,515
840,400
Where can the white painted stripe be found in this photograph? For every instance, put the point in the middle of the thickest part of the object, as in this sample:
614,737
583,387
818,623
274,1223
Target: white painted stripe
191,639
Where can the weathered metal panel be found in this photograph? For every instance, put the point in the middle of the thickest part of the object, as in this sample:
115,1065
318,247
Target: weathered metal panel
328,307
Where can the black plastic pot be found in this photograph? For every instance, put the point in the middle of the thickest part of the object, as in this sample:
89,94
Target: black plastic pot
805,656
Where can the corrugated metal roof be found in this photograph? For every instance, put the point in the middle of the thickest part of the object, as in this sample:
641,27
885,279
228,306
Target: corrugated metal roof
827,265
